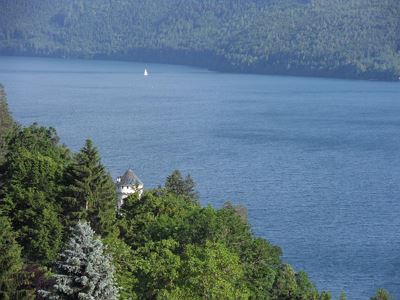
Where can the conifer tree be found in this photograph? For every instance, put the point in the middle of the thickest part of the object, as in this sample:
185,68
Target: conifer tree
84,270
39,227
12,276
342,296
90,192
382,294
177,185
325,296
30,189
6,123
10,255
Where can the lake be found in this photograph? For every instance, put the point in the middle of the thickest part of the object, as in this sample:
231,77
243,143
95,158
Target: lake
315,161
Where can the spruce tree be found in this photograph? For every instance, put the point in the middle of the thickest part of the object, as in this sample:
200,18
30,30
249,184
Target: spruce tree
84,270
90,192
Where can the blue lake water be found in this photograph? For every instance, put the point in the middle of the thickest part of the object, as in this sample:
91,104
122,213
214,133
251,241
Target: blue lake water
315,161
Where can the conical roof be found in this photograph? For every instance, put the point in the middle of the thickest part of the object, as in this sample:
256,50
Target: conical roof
129,178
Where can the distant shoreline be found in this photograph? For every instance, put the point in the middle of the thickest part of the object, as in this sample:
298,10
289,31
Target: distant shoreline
200,63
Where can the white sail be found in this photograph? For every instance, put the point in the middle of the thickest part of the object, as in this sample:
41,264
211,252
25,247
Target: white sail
146,73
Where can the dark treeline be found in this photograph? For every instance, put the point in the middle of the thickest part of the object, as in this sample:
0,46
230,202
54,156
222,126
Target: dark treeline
335,38
61,235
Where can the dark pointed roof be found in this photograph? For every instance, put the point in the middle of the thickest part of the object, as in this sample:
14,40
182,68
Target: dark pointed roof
129,178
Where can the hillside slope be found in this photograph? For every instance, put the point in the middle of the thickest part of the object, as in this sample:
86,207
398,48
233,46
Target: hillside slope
335,38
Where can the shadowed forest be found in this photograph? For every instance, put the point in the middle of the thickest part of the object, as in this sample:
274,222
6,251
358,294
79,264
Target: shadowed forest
330,38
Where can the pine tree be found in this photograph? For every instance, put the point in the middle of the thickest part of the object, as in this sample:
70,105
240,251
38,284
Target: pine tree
90,192
84,270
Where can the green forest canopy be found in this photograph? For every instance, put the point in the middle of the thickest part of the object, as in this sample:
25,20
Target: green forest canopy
337,38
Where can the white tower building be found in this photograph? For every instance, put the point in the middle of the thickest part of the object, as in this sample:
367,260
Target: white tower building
126,185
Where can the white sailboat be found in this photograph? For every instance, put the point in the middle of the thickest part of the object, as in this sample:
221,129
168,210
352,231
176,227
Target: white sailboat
145,72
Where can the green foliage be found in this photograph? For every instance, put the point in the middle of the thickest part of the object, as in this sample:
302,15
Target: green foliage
325,296
38,224
239,209
84,271
342,296
32,182
175,184
89,192
289,285
349,39
153,217
12,276
38,139
211,271
200,272
125,266
305,289
183,250
382,294
6,124
157,268
261,261
285,285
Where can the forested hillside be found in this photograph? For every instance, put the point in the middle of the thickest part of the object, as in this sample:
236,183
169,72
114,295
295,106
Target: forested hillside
337,38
